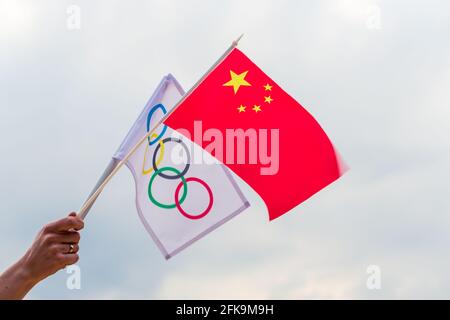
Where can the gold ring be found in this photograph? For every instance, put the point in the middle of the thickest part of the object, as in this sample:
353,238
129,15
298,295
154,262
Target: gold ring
71,248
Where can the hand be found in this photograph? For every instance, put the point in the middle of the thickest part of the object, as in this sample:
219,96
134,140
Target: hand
51,250
55,247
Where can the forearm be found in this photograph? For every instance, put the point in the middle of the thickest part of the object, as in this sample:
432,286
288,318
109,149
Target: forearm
15,282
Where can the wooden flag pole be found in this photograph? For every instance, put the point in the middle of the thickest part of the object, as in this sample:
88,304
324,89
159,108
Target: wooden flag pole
94,195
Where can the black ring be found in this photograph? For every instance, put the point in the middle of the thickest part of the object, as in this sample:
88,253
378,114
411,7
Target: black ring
163,175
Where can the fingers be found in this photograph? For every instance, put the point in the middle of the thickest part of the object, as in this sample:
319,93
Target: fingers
67,237
64,254
69,258
60,238
65,224
67,248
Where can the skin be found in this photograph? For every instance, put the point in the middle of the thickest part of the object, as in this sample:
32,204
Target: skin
48,254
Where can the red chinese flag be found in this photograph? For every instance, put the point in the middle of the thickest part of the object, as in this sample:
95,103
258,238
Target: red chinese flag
236,94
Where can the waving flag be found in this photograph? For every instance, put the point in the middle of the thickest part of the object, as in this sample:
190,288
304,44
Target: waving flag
178,199
239,101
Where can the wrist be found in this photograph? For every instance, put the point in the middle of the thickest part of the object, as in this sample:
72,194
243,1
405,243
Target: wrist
16,281
24,273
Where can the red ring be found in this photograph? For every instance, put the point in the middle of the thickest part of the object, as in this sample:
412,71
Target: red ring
204,213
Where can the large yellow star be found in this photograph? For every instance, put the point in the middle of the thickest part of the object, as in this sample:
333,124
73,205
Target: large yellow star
237,80
256,108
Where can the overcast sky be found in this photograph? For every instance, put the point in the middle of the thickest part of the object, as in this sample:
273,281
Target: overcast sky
375,74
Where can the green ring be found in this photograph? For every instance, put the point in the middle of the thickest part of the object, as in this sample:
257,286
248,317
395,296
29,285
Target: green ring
150,195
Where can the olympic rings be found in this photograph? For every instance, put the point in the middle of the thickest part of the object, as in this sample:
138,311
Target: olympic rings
152,198
149,117
186,168
178,174
179,202
161,156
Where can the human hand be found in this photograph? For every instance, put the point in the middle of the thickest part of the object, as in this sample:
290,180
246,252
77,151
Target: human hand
55,247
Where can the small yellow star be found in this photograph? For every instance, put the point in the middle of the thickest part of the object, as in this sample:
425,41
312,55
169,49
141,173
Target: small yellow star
268,99
268,87
256,108
241,108
237,80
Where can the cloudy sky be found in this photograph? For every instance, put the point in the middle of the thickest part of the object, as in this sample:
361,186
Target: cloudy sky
375,74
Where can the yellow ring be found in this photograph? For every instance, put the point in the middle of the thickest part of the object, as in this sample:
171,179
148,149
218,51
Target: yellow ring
161,155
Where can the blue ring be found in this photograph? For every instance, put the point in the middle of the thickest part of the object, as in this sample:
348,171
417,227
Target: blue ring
149,117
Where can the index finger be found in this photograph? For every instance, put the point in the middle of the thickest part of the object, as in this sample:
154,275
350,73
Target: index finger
66,224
